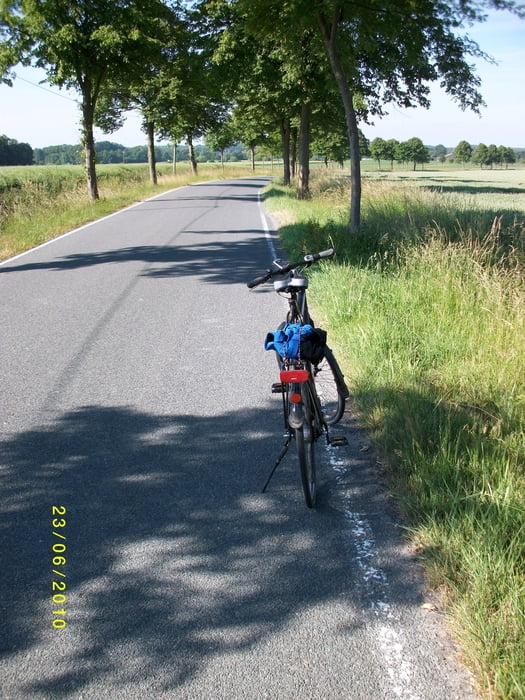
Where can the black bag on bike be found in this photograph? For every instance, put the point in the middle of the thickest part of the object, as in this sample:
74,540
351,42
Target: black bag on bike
312,346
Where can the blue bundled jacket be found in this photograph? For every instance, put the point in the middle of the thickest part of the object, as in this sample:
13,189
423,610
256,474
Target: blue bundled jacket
295,341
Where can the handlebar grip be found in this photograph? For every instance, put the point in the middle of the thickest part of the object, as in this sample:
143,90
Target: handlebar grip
258,280
326,253
286,268
317,256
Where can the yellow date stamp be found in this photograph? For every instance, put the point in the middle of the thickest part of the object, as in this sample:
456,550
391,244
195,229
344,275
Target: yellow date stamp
59,562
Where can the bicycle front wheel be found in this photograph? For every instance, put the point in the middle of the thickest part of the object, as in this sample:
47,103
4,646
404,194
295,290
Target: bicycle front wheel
305,440
331,388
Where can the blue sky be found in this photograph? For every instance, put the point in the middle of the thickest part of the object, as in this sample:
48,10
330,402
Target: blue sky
44,116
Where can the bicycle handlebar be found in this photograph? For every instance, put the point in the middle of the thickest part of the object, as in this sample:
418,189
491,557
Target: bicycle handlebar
306,262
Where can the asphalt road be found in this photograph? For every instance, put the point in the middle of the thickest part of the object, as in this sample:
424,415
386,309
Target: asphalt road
138,427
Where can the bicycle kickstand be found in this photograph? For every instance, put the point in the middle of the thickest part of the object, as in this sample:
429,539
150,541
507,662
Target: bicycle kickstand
283,451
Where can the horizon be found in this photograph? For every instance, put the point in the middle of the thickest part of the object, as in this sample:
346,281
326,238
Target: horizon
167,144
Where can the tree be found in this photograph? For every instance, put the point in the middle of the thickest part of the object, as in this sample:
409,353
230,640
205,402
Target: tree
506,155
378,150
14,153
58,155
320,108
220,138
280,84
331,145
142,90
385,53
265,98
249,132
463,152
390,151
412,151
192,99
480,154
402,152
415,151
81,44
492,155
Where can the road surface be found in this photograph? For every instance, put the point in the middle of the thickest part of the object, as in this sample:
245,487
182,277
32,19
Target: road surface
138,427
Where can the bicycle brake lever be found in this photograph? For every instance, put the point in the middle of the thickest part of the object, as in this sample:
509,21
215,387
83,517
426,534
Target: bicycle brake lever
280,264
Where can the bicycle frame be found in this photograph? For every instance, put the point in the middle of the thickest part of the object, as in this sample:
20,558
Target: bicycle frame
303,414
294,383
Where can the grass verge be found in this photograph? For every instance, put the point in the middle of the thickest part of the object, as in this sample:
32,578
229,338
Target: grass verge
426,311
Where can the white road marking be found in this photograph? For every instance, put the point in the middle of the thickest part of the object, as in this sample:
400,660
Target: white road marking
398,667
267,232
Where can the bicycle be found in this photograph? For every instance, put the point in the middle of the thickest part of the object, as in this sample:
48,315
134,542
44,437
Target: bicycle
311,383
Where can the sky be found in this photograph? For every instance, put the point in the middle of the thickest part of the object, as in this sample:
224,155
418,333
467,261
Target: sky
42,115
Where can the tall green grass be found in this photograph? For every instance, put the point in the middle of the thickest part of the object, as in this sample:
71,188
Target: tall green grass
427,313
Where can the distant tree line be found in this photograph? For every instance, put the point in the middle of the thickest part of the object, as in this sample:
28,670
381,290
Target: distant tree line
484,155
415,152
412,151
109,152
14,153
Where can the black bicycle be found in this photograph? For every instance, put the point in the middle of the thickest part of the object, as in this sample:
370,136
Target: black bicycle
311,383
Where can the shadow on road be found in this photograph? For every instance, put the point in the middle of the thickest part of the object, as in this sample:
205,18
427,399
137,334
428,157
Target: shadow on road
173,555
217,262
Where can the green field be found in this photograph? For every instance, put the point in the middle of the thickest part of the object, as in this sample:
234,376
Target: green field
502,190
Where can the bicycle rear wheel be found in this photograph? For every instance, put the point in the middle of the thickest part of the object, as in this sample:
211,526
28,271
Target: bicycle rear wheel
305,438
331,388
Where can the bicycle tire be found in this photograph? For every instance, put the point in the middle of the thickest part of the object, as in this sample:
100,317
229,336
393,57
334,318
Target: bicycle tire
329,380
305,439
331,389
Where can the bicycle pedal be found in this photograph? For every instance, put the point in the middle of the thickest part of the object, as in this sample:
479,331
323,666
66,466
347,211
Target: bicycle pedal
277,388
338,441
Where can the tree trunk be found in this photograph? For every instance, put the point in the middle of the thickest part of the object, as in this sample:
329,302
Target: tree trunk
174,162
152,163
293,151
252,151
303,188
192,155
329,35
88,141
285,137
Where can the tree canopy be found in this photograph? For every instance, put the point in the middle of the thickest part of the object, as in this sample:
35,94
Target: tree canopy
412,151
14,153
379,53
463,151
275,66
81,44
